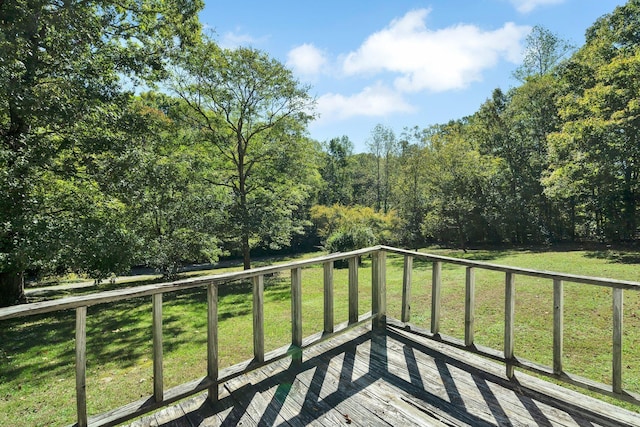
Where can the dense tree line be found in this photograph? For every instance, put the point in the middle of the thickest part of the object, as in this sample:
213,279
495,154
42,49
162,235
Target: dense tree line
555,159
96,176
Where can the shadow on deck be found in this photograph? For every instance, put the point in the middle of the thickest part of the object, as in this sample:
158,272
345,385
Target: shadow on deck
389,377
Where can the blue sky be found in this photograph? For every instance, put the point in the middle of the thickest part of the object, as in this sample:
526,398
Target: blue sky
401,63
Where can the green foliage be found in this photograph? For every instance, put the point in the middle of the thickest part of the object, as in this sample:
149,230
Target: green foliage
460,181
252,115
595,156
357,223
543,52
337,172
62,70
160,177
349,239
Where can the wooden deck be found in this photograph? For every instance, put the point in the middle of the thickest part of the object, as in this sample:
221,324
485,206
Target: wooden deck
390,377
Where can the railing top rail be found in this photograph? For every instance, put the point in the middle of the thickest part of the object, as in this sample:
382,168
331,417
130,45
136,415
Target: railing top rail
598,281
145,290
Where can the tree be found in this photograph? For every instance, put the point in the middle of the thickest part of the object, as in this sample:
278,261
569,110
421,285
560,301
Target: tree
61,69
460,180
410,184
544,50
337,172
159,177
595,164
253,113
382,145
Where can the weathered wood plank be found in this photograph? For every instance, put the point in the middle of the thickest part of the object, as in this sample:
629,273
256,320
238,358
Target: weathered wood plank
618,314
258,318
558,325
158,382
81,366
379,288
212,341
469,306
498,355
436,284
328,296
353,289
572,402
173,416
256,408
405,314
299,405
509,321
296,313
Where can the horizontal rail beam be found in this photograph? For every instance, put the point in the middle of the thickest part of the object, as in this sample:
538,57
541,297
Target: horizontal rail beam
575,278
178,285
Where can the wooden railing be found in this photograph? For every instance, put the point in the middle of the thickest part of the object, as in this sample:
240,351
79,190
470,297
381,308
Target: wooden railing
214,376
507,355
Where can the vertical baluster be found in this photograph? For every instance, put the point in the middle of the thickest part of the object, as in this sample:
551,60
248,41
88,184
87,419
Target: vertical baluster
296,314
558,325
379,289
617,339
328,297
469,306
509,316
258,318
158,388
436,283
81,365
405,316
353,289
212,341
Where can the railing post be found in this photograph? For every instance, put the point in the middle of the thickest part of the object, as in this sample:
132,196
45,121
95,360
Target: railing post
328,297
436,283
296,315
353,289
558,325
469,306
405,316
258,318
81,365
212,341
618,312
379,289
509,316
158,388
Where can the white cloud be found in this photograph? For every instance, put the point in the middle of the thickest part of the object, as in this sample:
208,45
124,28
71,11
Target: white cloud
232,40
526,6
306,59
440,60
373,101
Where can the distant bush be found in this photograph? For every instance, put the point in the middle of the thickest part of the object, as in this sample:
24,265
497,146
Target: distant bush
344,228
350,239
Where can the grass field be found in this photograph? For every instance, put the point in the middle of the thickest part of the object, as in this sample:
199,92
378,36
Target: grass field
37,382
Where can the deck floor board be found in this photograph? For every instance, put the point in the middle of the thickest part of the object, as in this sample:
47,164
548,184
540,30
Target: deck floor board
390,377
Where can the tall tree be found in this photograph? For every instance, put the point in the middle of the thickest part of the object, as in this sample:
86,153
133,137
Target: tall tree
544,50
159,177
383,145
61,68
596,155
254,114
337,172
410,186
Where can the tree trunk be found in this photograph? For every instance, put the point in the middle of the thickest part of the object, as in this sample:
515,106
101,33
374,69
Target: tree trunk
11,288
246,252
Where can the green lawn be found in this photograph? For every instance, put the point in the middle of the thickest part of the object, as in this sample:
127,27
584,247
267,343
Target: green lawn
36,357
